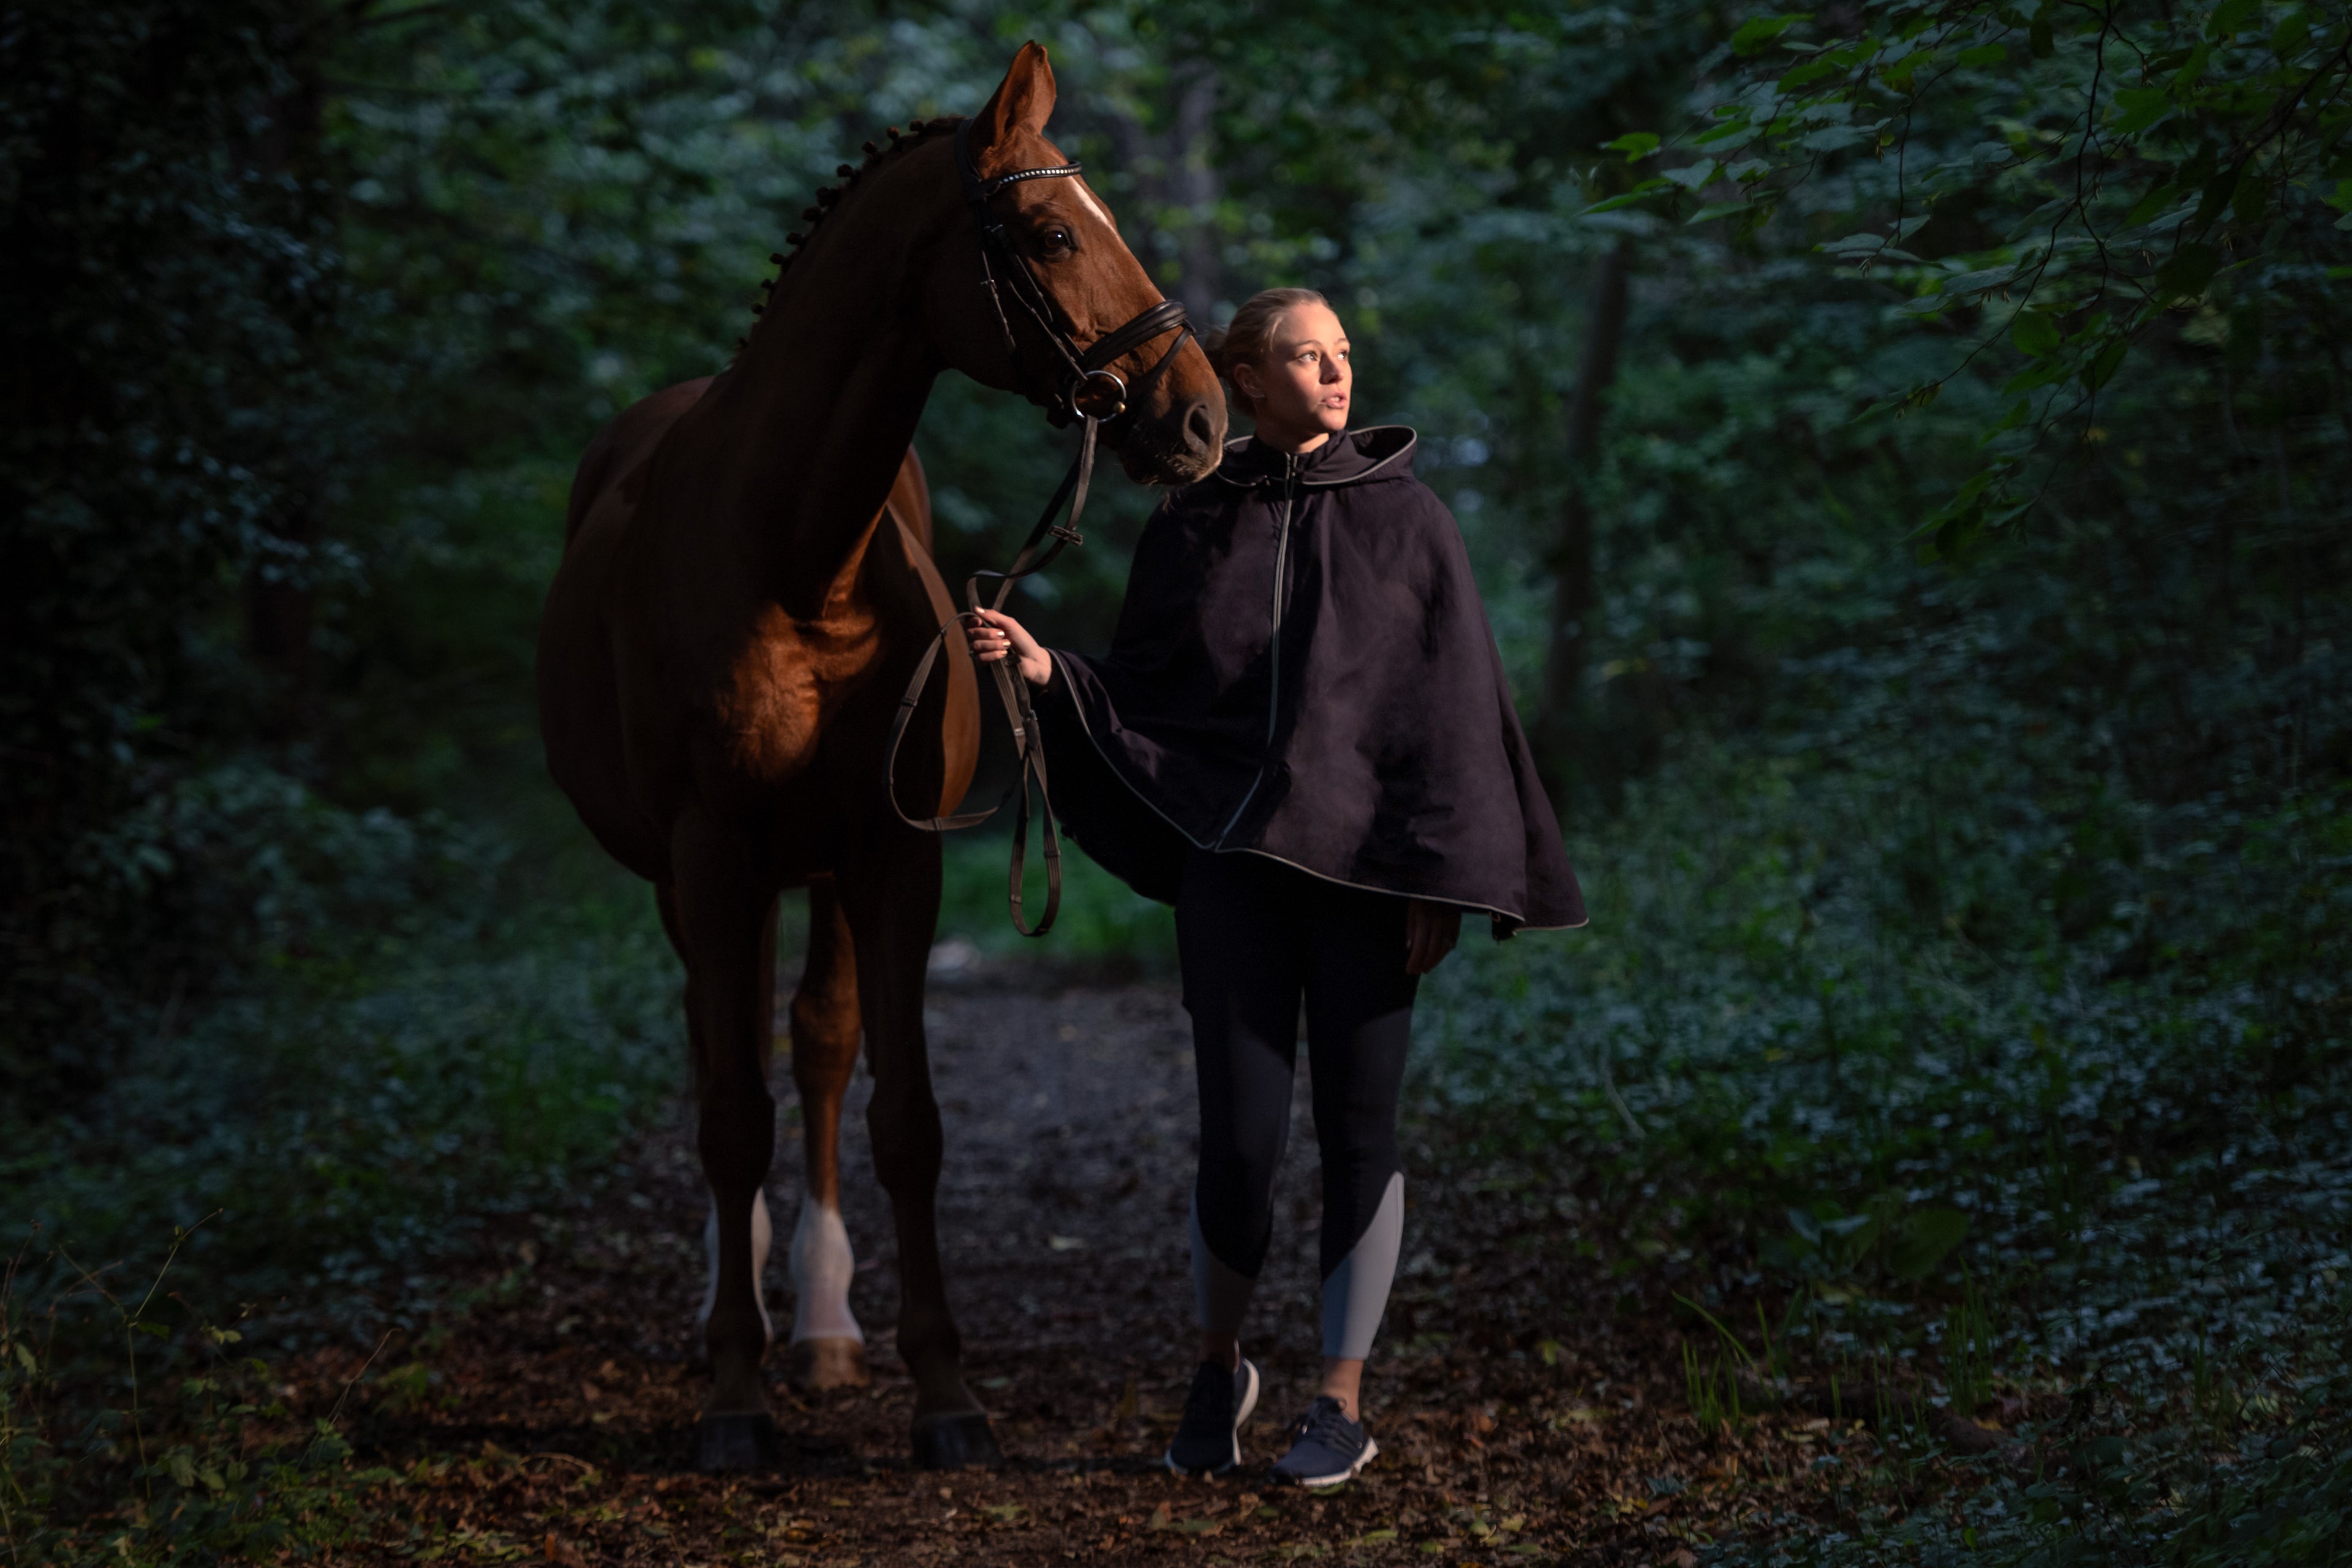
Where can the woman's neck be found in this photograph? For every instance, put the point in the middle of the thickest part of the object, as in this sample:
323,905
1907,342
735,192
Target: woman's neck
1295,443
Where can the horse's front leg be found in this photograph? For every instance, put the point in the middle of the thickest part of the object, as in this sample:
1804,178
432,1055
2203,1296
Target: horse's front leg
891,892
828,1347
724,904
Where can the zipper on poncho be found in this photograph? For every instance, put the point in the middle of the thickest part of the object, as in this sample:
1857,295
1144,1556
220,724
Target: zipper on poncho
1273,642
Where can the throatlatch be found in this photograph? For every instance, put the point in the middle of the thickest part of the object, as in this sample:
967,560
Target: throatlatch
1094,395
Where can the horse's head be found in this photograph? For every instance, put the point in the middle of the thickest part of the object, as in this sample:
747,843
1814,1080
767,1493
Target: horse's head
1171,427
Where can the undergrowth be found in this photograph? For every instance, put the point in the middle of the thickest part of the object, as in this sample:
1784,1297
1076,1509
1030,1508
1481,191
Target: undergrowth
1996,1083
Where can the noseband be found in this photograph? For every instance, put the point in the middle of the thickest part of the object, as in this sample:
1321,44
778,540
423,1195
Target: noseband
1094,395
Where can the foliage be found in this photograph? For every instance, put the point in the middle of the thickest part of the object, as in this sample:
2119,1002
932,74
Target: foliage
2117,1178
165,420
200,1461
2152,177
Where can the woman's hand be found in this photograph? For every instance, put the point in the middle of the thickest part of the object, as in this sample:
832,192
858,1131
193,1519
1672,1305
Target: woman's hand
1430,933
995,634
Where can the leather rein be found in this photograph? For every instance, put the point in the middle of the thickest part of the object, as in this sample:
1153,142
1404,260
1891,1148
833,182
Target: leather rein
1092,393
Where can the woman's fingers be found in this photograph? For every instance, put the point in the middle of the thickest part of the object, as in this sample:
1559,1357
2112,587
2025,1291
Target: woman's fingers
986,631
995,636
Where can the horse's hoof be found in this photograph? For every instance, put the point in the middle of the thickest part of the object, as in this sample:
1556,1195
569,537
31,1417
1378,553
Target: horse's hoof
735,1443
816,1365
954,1440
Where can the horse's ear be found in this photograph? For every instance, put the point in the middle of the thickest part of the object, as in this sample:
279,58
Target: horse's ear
1023,100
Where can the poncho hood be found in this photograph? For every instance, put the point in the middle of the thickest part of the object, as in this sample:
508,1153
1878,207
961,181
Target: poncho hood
1303,669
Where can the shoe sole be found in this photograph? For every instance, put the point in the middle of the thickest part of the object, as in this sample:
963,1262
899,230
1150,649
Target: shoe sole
1318,1483
1249,1403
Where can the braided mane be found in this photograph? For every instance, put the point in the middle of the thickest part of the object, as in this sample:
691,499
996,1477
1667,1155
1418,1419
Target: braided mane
829,196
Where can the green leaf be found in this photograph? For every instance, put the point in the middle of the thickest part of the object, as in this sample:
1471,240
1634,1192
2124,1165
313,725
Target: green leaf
1758,31
1924,1236
183,1468
1832,138
2103,367
2232,18
1898,75
2034,333
2288,35
2216,195
2040,374
1645,189
1984,55
2158,198
2246,207
2139,108
154,1331
1692,177
1810,70
1714,210
2186,275
25,1355
1635,144
2038,39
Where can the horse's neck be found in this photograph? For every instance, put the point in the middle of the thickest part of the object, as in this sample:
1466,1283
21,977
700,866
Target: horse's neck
811,422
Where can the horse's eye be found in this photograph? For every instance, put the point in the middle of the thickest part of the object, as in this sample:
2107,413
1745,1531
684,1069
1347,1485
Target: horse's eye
1058,242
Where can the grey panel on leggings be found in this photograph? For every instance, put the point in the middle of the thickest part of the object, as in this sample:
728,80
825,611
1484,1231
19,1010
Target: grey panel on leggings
1221,1293
1357,1293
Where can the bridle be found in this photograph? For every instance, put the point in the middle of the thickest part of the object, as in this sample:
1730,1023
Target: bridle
1094,395
1093,390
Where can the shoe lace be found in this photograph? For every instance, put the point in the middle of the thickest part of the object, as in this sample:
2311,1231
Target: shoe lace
1325,1422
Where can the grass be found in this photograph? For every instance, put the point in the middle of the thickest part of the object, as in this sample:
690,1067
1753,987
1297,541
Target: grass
1102,920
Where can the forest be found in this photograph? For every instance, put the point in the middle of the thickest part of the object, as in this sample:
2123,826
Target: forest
1904,448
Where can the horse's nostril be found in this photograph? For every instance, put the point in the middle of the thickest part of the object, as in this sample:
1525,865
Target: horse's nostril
1200,428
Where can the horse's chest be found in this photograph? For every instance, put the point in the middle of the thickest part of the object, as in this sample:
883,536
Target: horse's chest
786,682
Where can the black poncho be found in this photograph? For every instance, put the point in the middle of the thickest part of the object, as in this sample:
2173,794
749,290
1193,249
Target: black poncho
1303,670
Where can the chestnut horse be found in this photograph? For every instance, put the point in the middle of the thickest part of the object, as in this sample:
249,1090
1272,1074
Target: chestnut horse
745,589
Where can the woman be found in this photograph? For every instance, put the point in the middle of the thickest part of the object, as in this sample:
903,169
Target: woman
1302,738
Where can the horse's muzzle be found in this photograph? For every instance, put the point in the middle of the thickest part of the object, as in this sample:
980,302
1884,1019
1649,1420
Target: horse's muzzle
1178,447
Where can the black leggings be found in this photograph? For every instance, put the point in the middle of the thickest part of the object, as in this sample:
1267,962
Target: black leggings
1255,935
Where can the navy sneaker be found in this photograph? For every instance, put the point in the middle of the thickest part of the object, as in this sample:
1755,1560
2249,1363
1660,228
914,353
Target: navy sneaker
1325,1447
1209,1439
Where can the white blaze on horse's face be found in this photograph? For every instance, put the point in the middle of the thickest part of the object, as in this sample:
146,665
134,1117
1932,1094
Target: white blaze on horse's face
1088,197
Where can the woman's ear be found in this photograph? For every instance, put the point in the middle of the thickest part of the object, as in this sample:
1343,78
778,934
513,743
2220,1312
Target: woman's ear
1246,382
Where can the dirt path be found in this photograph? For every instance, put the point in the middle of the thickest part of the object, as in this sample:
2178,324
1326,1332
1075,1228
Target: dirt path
1528,1405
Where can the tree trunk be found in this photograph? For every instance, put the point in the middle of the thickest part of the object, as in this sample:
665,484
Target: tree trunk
1575,595
280,597
1194,184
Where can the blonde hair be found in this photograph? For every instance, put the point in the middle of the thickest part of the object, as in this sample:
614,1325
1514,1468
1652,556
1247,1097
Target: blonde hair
1246,339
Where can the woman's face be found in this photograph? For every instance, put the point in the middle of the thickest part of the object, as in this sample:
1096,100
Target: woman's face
1300,391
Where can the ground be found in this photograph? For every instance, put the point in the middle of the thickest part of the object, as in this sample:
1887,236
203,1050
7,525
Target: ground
1528,1398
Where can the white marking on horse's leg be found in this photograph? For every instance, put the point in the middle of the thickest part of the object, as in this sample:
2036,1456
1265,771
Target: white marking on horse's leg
823,1266
762,1234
